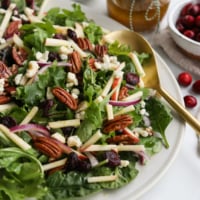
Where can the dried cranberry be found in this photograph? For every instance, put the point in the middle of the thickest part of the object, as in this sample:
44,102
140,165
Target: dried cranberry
8,121
196,86
5,4
60,36
67,131
30,3
84,165
132,78
72,162
72,34
75,163
113,158
53,56
46,106
184,78
190,101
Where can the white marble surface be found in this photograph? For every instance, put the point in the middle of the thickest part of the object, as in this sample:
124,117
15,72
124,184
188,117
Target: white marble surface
182,180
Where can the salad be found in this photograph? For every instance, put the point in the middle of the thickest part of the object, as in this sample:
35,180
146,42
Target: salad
75,116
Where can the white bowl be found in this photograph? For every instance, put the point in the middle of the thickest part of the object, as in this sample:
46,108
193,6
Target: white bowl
189,46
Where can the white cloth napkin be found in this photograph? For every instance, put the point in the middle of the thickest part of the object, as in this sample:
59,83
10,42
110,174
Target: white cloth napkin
164,40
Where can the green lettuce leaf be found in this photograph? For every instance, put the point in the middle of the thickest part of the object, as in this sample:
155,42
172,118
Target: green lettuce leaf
160,117
35,93
21,175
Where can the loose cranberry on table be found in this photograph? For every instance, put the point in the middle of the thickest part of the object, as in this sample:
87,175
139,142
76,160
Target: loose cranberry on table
190,101
188,22
196,86
184,78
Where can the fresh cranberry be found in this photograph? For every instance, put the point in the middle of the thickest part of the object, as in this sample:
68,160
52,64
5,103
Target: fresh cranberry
184,10
184,78
193,10
197,21
197,38
188,20
180,27
190,101
196,86
189,33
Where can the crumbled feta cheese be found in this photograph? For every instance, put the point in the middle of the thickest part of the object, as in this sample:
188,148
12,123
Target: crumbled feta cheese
141,131
42,56
75,91
109,63
63,56
2,41
32,69
18,79
74,141
59,137
2,83
71,78
66,50
143,104
142,111
124,163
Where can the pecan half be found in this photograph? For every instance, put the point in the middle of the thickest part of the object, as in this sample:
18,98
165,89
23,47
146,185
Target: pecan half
4,99
100,50
91,63
118,123
65,97
48,146
19,55
123,93
12,29
4,71
76,62
84,44
122,139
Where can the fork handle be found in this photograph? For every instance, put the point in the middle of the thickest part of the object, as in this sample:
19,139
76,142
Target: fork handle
181,110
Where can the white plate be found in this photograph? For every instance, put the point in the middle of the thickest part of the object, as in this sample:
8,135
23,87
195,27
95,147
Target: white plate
158,164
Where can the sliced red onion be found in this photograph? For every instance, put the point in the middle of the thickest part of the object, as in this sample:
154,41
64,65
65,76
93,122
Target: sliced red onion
33,128
59,64
124,103
129,86
142,157
93,160
147,121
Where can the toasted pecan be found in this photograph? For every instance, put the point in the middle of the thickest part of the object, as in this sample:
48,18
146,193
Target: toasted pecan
19,55
76,62
118,123
65,97
13,28
100,50
4,71
84,44
4,99
48,146
122,139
